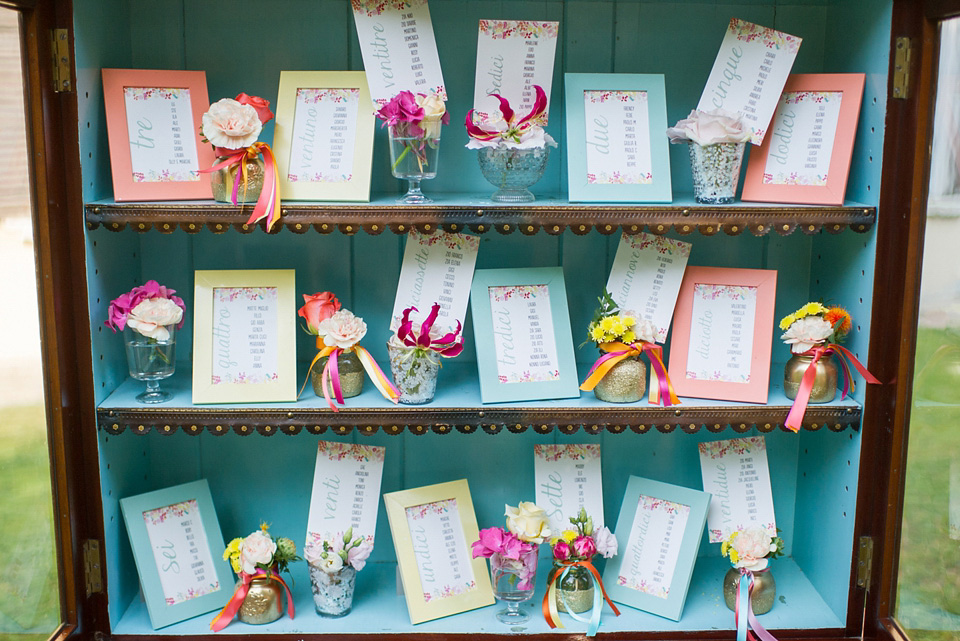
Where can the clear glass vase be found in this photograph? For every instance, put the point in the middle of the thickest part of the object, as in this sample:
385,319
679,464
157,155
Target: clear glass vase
512,171
716,171
151,360
414,153
351,373
575,589
263,602
513,583
333,591
626,382
414,372
824,384
222,181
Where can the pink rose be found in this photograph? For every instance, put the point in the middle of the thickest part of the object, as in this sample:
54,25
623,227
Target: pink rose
257,550
752,547
342,329
357,556
230,125
584,547
709,128
260,104
561,551
317,308
606,542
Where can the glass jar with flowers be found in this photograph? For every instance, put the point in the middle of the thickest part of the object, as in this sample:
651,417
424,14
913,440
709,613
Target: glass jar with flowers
316,309
149,316
258,561
513,149
413,123
716,140
245,170
750,551
415,355
513,557
334,560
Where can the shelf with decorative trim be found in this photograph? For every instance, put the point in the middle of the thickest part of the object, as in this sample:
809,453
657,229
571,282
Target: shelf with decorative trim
474,212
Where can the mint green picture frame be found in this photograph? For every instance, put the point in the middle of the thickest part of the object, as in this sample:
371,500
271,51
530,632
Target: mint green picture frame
670,607
660,190
491,389
161,613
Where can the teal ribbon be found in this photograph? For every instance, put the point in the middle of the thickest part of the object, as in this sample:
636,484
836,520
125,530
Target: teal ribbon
593,623
743,601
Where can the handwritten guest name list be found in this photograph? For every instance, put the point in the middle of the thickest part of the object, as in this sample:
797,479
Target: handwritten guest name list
398,47
618,138
160,131
523,335
324,130
245,335
735,472
646,275
181,552
346,489
749,74
567,479
802,137
721,333
653,546
512,57
443,563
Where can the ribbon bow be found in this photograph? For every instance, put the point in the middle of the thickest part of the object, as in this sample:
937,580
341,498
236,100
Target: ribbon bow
331,373
268,204
230,610
799,408
617,351
744,623
550,613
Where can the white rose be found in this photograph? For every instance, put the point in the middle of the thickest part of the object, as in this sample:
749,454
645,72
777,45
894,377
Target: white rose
313,553
432,105
645,330
152,316
752,548
807,332
332,564
231,125
528,522
258,548
606,542
709,128
343,329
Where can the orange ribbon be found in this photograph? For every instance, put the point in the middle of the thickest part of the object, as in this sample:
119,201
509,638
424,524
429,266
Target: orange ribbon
230,610
331,373
617,351
268,204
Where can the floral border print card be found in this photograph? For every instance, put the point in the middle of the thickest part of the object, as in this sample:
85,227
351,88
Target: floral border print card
522,329
806,157
436,268
617,150
736,473
749,74
398,47
568,479
658,536
646,275
346,490
512,57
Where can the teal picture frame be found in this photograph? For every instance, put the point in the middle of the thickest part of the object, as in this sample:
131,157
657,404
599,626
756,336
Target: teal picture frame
486,331
579,187
670,606
161,612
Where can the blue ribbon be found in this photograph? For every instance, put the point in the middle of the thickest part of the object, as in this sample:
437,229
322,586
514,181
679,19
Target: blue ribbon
593,623
743,600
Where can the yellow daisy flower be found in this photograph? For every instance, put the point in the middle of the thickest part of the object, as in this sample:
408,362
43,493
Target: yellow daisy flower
628,321
788,321
607,323
597,334
629,336
812,309
569,535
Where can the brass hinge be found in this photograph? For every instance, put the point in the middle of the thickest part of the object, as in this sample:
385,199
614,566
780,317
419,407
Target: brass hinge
61,60
864,562
901,68
92,574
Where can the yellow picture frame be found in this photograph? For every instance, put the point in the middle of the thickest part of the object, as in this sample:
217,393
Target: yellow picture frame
357,188
280,384
420,607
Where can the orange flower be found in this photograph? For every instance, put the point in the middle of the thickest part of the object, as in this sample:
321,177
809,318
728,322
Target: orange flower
840,319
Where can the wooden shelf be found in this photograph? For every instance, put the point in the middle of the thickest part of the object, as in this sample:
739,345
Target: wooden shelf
475,212
456,407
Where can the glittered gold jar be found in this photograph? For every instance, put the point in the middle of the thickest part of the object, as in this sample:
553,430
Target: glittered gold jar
626,382
824,385
575,590
351,375
263,603
222,181
764,590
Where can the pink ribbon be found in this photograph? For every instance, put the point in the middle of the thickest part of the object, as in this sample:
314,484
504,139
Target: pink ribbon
233,605
799,408
744,625
268,204
331,374
655,355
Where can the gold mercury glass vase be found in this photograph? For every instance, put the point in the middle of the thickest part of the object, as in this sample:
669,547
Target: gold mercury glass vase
351,375
626,382
824,385
764,590
222,181
263,603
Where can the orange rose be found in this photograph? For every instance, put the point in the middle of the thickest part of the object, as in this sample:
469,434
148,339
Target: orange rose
318,308
262,106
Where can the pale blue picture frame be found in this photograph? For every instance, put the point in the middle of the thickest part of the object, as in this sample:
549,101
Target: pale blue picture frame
161,613
670,607
491,389
660,190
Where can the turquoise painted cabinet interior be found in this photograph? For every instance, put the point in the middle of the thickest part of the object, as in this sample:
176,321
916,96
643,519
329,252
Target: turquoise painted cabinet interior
259,476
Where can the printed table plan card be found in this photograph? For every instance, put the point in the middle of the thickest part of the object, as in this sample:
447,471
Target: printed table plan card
523,336
437,268
160,131
245,330
735,472
442,555
346,490
398,47
749,74
324,133
512,57
618,137
721,333
653,546
181,552
568,478
802,136
646,275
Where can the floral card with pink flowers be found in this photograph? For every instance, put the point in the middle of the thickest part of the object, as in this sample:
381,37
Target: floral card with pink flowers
346,489
658,537
568,479
736,473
